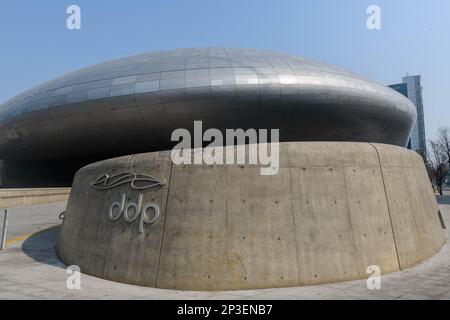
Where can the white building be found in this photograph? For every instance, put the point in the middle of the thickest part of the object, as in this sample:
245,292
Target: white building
411,87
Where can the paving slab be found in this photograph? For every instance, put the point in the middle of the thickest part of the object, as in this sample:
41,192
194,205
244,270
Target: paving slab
30,269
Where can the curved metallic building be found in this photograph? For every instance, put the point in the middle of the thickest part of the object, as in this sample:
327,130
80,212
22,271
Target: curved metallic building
133,104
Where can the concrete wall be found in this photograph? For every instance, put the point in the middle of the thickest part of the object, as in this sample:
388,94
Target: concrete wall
332,210
26,197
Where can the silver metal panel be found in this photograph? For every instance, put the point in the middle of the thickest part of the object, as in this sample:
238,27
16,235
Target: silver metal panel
133,104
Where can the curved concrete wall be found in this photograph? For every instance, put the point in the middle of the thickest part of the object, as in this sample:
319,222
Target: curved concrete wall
133,104
332,210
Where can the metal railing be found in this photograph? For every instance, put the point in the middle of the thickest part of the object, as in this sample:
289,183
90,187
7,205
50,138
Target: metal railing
4,230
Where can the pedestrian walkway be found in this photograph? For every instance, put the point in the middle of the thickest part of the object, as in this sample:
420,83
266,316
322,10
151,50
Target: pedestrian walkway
30,269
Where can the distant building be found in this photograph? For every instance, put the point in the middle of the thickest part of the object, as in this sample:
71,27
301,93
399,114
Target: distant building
134,104
412,89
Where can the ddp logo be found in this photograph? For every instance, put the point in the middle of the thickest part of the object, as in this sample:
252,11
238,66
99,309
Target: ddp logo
131,211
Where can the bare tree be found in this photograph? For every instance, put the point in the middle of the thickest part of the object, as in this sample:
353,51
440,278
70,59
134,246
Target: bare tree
438,163
444,140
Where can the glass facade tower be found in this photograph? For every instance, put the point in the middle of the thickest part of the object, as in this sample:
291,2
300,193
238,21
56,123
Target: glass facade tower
411,87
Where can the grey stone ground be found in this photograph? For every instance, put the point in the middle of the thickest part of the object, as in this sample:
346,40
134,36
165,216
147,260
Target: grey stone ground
29,269
26,220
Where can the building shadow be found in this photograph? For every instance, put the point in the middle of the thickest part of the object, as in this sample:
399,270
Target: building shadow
41,247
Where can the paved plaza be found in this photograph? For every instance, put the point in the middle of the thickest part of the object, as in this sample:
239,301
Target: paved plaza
30,269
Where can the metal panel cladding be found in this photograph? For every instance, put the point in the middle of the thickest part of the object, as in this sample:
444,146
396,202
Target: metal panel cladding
133,104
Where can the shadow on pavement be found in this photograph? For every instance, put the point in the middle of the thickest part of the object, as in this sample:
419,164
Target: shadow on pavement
41,247
443,199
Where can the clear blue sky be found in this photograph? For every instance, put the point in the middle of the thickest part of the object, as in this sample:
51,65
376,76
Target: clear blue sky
35,44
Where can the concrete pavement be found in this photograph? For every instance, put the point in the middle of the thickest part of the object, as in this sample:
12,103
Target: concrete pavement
30,269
